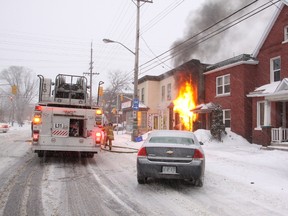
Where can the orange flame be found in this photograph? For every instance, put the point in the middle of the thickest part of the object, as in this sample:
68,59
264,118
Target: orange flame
183,104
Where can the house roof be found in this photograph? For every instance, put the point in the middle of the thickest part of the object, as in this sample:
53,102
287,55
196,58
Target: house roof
231,62
280,93
275,91
267,30
185,66
204,108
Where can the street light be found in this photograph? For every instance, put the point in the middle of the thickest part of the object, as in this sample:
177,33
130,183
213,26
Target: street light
135,93
105,40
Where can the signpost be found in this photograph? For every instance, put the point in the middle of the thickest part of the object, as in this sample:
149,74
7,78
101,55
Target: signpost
135,105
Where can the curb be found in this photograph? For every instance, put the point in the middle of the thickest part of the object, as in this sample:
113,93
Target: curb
268,148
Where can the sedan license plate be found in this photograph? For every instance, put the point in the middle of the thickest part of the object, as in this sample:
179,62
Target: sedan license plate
168,170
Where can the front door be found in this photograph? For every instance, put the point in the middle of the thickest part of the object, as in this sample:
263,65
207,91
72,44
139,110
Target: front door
155,123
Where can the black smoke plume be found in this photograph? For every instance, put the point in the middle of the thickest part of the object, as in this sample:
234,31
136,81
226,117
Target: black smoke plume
206,16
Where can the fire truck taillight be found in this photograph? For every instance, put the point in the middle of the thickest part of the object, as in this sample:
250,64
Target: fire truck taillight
35,136
37,119
98,112
38,108
98,137
98,117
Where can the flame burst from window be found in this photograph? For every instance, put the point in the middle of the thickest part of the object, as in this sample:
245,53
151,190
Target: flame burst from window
184,102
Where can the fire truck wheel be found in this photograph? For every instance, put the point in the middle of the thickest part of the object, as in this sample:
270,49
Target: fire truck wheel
40,153
83,154
90,155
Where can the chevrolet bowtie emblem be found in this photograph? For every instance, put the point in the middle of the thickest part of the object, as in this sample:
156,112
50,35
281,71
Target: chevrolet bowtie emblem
169,152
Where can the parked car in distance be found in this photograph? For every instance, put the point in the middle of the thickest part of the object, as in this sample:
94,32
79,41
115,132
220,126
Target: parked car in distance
4,127
171,154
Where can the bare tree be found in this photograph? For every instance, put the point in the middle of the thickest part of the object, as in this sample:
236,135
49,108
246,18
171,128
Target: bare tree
118,84
26,89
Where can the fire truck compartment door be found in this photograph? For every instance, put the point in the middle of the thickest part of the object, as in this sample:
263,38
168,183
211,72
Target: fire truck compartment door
60,126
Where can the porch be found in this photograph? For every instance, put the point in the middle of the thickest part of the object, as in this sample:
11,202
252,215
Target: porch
279,136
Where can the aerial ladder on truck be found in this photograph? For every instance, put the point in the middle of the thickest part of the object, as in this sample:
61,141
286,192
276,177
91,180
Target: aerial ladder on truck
64,120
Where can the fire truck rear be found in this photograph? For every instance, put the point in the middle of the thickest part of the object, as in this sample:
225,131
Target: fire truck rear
64,120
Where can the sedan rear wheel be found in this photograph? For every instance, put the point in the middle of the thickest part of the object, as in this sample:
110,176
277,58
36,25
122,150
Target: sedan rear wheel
141,180
198,183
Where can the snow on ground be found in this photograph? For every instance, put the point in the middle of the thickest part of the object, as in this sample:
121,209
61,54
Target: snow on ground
235,169
262,168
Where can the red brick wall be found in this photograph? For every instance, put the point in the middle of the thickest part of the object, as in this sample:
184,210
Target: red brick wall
273,47
241,83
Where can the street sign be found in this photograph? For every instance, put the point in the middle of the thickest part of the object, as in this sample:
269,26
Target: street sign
135,105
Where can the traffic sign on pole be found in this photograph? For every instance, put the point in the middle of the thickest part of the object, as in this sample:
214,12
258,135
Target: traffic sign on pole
135,105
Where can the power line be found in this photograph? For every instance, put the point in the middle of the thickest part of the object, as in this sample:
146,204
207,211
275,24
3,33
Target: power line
201,40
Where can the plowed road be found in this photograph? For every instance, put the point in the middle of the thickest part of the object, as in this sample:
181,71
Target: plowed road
106,185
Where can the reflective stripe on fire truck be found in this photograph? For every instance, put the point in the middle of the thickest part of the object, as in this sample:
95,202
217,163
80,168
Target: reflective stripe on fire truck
60,133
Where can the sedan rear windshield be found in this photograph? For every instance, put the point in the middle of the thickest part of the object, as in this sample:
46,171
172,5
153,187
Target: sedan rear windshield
172,140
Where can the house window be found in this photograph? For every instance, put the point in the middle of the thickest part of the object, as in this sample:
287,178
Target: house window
163,93
142,95
223,85
169,91
263,114
286,33
227,118
275,67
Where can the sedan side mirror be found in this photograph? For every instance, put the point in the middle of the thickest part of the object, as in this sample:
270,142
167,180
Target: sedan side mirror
201,143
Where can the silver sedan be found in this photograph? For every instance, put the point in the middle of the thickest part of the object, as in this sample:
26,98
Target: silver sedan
171,154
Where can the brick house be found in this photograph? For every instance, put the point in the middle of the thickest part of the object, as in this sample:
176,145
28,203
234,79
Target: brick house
227,83
253,89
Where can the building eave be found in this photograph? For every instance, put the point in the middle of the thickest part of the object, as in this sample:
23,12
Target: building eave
278,96
252,62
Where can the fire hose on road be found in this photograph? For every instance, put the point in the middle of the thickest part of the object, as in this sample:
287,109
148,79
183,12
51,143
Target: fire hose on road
126,149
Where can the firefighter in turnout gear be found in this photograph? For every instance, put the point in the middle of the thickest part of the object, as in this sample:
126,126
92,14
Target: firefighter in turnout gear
110,135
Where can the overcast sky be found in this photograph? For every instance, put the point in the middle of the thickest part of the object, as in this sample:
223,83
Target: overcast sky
54,36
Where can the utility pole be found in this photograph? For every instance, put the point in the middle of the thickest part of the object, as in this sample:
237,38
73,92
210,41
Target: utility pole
135,131
91,74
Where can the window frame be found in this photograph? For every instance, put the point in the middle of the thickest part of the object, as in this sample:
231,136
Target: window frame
169,88
223,85
266,114
273,71
163,91
226,118
286,33
142,95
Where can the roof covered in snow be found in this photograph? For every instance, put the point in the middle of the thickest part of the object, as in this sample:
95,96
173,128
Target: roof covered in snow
272,91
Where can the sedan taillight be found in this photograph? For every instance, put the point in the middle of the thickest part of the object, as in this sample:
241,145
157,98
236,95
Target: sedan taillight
198,154
142,152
